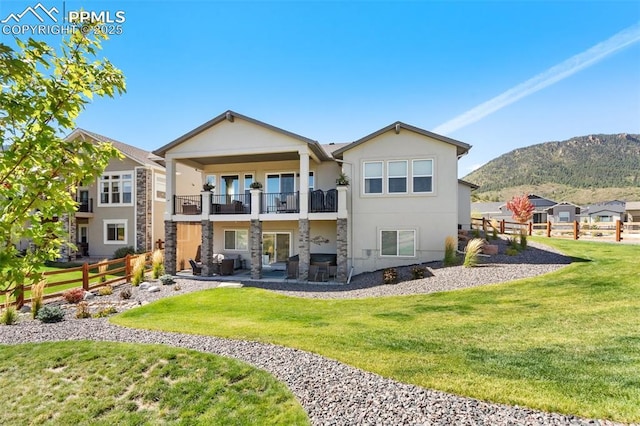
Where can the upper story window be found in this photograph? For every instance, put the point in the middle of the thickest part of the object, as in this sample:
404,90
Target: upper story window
397,176
373,177
422,173
116,189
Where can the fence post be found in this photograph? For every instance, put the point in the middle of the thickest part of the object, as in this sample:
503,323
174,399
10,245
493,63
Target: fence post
576,230
127,267
548,229
85,276
502,226
530,228
484,226
618,230
20,295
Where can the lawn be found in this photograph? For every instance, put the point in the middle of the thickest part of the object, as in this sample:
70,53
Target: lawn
566,342
70,383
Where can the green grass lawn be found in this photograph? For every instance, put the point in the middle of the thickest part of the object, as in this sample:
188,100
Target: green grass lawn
70,383
567,342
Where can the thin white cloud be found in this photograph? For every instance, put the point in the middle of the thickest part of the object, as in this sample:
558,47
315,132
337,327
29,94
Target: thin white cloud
474,167
554,74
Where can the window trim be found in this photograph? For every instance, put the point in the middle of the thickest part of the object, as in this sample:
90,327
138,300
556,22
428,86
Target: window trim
406,176
121,186
433,172
296,179
364,178
235,239
155,187
106,222
397,231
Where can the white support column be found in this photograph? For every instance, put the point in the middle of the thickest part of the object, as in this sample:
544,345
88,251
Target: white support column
255,203
304,185
205,196
170,168
342,202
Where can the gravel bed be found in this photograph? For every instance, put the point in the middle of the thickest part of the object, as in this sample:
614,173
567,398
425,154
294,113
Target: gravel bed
332,393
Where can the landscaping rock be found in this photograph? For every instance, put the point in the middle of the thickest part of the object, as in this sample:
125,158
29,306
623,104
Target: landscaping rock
88,295
144,285
230,285
153,289
490,249
25,309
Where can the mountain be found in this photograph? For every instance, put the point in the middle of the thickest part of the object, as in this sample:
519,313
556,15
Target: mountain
582,170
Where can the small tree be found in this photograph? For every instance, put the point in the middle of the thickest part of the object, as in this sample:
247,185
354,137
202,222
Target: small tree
42,93
522,210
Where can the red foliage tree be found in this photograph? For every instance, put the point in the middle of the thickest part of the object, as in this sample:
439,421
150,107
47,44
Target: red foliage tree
521,208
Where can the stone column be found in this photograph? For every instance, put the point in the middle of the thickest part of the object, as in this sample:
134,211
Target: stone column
170,246
144,201
207,248
67,253
255,248
342,249
303,249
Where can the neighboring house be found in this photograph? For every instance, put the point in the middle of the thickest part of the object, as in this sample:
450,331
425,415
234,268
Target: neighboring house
401,204
604,213
490,210
499,210
464,205
632,209
563,213
124,206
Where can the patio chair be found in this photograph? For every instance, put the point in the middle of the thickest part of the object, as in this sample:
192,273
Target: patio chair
313,272
198,257
292,269
332,271
226,266
195,268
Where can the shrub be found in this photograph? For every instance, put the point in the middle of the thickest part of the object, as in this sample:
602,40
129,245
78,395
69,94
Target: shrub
138,271
125,294
474,247
105,291
105,312
73,295
156,260
9,314
167,280
123,252
475,233
523,239
511,251
390,276
82,310
417,272
50,314
450,245
37,293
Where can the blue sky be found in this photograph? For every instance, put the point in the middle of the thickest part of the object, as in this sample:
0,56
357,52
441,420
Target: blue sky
336,71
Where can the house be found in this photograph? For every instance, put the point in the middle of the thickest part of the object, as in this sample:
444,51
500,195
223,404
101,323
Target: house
499,211
632,210
124,206
464,204
564,212
276,196
605,212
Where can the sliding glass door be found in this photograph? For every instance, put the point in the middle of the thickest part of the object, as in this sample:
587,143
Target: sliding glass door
276,247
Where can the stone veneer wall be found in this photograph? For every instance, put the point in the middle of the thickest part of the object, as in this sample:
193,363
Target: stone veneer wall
170,246
206,253
69,226
342,249
303,249
144,201
255,248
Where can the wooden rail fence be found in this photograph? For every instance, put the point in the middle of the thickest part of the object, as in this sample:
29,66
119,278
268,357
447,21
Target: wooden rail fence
121,267
574,230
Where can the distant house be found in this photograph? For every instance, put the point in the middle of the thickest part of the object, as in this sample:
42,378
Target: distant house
632,210
124,206
464,206
604,212
563,213
499,211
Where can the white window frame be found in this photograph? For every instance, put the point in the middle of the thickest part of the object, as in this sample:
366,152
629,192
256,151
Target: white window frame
364,178
406,176
397,231
107,222
121,182
564,214
160,185
235,240
413,175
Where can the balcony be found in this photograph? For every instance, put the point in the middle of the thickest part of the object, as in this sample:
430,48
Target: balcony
323,202
187,204
280,202
85,208
231,204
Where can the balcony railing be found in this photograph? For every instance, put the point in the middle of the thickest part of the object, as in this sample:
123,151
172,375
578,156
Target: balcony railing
280,202
187,204
323,202
231,204
86,206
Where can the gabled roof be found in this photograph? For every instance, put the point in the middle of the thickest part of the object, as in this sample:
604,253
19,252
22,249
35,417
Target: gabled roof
469,184
462,148
230,116
138,155
601,209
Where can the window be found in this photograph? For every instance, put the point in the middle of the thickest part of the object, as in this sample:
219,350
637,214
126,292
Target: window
236,239
116,188
563,216
398,243
373,177
283,183
161,187
422,172
311,181
115,232
397,176
210,179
